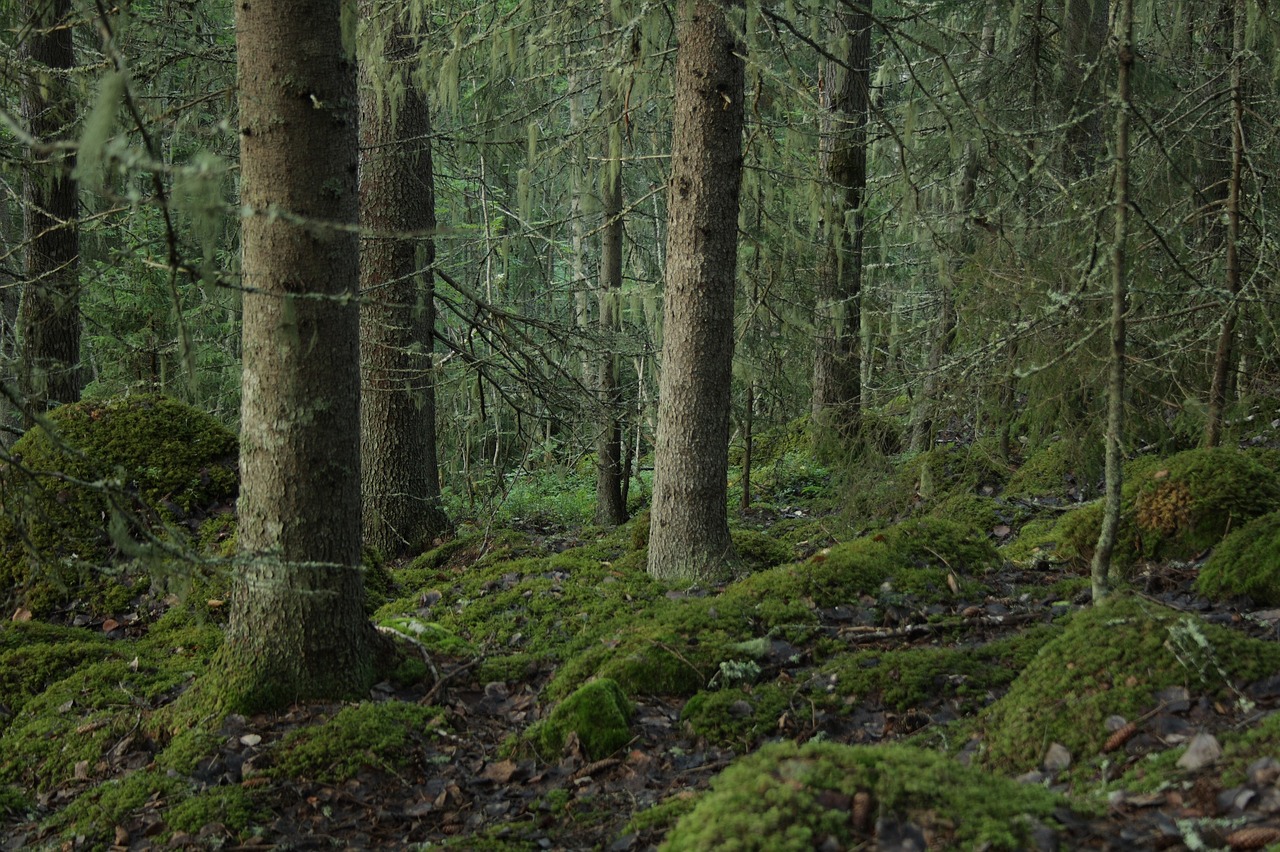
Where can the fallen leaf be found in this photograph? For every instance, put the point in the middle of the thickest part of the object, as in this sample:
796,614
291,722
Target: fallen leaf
250,740
214,603
499,772
109,625
22,614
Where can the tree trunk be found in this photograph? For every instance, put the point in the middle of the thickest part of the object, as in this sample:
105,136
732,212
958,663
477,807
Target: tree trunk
1223,359
837,370
400,481
1084,33
1101,567
298,628
49,312
689,532
611,508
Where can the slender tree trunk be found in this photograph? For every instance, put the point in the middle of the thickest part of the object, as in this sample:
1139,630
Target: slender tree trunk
689,531
943,332
1101,567
837,370
1084,33
1224,359
49,312
400,481
611,507
297,627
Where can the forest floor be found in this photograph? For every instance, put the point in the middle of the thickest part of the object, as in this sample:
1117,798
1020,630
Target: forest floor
466,779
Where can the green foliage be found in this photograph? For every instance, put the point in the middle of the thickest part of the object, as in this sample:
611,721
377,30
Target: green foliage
1111,660
779,799
98,474
597,712
1246,563
376,735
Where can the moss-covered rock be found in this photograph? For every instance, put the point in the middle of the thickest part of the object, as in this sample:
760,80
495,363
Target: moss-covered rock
1060,469
1247,562
598,713
738,717
788,797
375,735
760,550
1175,508
96,474
1111,660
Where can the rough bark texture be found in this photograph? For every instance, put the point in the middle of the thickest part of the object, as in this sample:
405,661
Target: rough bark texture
689,533
1101,567
49,313
611,508
400,481
297,626
837,371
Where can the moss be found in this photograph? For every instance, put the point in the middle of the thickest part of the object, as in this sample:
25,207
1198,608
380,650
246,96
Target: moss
677,646
759,550
377,735
1060,469
1246,563
1111,660
660,818
1176,508
738,717
96,813
1262,740
33,656
905,678
230,807
955,469
789,797
12,801
973,510
151,466
597,712
187,748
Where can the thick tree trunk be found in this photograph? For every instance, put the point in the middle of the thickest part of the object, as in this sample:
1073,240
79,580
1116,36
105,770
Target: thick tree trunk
400,481
837,370
298,627
49,312
1101,567
689,532
611,508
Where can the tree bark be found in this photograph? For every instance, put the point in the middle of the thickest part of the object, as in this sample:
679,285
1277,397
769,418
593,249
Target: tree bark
837,370
689,533
49,311
611,508
1101,566
1223,359
400,481
297,627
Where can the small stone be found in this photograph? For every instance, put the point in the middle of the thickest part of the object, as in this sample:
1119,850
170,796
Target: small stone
1235,798
1263,771
740,709
250,740
1115,723
1057,758
1203,751
1176,699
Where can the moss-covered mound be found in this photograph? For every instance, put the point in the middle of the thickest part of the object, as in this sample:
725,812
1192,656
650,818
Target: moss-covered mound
375,735
1111,660
823,795
98,472
676,646
1247,562
1176,508
1061,469
597,713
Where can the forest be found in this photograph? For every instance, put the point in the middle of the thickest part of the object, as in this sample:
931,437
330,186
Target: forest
640,424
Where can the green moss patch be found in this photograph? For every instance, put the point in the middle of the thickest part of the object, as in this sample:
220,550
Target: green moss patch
598,713
1112,659
788,797
738,717
1060,469
97,474
96,813
675,647
1247,562
230,807
374,735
